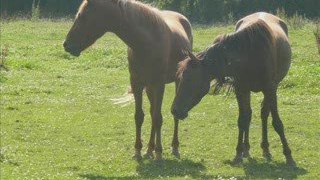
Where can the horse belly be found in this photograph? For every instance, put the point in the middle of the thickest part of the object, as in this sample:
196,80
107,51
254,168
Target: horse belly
147,72
254,81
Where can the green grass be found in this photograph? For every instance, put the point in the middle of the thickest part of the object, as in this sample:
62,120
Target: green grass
57,120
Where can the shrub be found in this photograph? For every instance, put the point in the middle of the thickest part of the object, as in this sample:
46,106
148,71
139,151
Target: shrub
35,13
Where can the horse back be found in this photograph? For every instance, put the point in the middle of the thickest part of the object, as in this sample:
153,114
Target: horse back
277,25
281,48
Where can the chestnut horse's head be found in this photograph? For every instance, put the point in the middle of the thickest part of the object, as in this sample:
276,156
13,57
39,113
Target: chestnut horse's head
196,74
92,21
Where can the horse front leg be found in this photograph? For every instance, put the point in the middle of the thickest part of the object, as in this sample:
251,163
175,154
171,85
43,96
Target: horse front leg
244,119
151,144
139,118
175,139
155,95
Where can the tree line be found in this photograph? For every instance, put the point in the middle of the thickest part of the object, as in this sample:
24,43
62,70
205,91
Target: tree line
197,10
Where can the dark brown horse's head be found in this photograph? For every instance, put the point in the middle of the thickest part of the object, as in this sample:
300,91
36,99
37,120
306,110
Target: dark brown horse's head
92,21
195,74
194,84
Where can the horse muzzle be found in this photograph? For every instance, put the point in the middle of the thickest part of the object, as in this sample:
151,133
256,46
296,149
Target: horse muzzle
181,115
71,49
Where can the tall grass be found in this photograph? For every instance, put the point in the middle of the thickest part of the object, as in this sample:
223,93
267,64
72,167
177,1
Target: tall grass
3,56
35,14
317,35
296,21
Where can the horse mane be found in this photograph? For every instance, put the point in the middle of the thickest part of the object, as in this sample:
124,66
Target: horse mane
144,12
135,11
81,8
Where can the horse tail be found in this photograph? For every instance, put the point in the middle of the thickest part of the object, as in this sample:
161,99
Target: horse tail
124,100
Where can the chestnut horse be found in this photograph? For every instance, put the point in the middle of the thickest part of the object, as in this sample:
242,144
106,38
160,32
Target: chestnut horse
257,57
155,41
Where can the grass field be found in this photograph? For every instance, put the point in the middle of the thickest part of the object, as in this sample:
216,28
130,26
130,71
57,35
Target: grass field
58,122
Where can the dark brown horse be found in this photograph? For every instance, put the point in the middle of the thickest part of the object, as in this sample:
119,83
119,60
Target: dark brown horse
257,57
155,42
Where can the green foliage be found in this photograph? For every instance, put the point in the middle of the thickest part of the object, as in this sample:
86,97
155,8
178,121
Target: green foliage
204,11
58,122
296,21
220,10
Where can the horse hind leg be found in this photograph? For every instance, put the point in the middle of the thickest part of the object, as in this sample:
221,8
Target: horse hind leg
265,111
139,118
278,126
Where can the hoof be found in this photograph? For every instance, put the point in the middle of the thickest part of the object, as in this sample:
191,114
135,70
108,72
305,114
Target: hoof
158,157
267,156
246,154
237,160
291,163
137,157
148,155
176,153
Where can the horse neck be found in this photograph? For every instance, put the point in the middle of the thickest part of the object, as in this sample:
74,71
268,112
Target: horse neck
137,26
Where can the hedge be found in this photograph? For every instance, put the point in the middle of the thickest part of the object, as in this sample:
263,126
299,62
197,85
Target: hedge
197,10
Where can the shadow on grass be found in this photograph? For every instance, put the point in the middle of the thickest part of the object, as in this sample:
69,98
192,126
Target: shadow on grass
166,169
196,170
269,170
170,168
